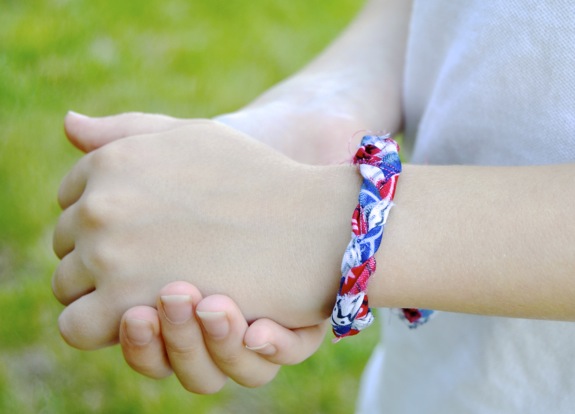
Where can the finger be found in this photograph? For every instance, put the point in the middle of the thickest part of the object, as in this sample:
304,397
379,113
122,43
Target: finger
284,346
224,328
71,279
74,183
90,322
63,240
88,134
184,340
142,344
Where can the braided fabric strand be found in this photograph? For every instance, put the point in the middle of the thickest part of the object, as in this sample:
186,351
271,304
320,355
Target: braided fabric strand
379,165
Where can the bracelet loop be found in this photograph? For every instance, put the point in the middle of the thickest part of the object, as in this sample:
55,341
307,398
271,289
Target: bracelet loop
380,166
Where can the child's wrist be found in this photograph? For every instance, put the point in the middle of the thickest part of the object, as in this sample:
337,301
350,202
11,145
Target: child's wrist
316,131
335,192
379,165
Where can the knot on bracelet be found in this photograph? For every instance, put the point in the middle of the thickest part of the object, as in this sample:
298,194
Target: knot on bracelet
380,166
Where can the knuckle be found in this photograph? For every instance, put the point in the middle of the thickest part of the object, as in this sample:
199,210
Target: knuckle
230,360
182,352
257,381
102,258
118,155
95,209
111,157
57,291
58,287
62,197
149,368
66,286
203,388
99,209
75,332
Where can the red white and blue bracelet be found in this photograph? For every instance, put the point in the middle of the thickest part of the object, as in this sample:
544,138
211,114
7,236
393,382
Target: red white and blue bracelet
380,166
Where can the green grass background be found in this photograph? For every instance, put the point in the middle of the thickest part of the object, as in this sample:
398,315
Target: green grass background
187,58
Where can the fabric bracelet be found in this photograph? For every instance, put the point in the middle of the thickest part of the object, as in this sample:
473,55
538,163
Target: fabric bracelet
380,166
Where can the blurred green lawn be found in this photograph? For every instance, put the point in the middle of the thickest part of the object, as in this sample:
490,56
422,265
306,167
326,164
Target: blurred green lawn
188,58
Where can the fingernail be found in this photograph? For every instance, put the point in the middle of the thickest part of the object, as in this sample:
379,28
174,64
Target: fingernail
215,323
177,308
77,114
265,349
139,331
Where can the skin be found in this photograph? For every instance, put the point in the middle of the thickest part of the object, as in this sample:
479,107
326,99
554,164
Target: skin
440,250
155,346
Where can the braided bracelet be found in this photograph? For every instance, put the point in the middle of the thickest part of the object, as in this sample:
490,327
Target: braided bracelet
379,165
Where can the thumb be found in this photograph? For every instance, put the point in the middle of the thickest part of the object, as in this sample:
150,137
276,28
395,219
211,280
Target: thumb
88,134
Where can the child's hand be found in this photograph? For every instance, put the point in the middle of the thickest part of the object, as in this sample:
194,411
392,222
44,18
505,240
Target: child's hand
202,203
155,346
204,341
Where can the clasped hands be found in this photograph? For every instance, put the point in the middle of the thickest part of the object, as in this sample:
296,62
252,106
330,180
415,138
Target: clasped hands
166,221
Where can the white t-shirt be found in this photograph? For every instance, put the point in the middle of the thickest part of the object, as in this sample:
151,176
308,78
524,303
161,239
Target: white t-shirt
486,83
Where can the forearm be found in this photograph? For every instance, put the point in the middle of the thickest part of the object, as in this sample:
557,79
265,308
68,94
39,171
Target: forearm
355,84
484,240
359,74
